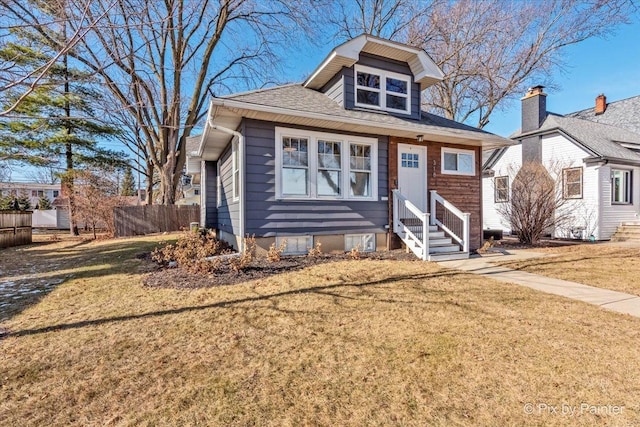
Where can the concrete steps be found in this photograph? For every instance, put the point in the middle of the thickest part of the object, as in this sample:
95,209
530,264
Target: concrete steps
627,231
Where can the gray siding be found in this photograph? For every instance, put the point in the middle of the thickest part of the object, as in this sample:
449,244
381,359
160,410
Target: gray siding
267,217
211,195
335,88
228,212
381,63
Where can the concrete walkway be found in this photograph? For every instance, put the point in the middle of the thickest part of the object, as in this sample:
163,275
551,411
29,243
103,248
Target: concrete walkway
481,265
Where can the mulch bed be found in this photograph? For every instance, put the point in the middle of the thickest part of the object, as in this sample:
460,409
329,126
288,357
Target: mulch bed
178,278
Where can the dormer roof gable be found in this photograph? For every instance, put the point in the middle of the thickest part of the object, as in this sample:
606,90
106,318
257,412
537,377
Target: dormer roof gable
425,71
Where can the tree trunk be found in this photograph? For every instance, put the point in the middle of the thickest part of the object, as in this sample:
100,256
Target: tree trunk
149,187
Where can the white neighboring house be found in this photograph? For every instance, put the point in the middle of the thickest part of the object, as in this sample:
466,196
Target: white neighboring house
33,190
191,177
597,152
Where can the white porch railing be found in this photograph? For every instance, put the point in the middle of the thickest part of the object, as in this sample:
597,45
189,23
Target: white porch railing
451,219
411,224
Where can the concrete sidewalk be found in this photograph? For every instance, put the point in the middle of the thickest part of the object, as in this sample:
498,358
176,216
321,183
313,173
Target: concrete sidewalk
481,265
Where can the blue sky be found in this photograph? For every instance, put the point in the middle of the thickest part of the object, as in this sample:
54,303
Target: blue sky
610,66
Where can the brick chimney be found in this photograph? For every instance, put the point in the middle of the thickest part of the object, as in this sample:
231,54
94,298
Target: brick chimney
601,104
534,111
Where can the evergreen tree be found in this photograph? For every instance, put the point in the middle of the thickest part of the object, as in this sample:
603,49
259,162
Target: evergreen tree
56,123
128,183
24,202
44,203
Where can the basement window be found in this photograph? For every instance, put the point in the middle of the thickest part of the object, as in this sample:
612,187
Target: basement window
296,245
364,242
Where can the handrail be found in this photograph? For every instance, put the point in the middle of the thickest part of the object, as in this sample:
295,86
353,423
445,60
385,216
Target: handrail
401,228
462,216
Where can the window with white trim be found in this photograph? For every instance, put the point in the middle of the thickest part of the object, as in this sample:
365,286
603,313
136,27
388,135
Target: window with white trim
295,245
318,165
621,186
572,183
363,242
236,169
382,89
501,189
458,162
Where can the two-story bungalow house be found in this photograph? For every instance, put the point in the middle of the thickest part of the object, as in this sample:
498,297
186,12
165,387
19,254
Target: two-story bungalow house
347,158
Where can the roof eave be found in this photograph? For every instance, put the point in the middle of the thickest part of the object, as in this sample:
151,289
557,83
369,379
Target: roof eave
426,72
484,140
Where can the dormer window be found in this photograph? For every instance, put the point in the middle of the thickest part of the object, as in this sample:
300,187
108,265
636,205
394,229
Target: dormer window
382,90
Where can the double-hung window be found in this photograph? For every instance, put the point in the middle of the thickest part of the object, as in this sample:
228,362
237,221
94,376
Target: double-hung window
382,89
314,165
621,186
572,183
458,162
501,190
329,168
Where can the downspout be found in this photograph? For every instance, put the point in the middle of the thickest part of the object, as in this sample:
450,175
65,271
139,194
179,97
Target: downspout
241,167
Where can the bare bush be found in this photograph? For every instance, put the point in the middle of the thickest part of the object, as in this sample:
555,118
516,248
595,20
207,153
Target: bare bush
246,257
316,250
274,254
192,250
536,205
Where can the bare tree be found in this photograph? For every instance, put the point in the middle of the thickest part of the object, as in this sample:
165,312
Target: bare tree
161,60
536,205
97,196
45,175
383,18
489,50
24,79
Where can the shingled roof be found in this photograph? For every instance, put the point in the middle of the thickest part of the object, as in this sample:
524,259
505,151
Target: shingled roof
623,114
298,98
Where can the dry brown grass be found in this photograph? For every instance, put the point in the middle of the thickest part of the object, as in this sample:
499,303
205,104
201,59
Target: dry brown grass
358,342
607,266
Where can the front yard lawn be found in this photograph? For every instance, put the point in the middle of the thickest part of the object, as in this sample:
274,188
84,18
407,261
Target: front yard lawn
608,265
361,342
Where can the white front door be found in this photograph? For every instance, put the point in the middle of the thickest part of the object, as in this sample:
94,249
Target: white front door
412,176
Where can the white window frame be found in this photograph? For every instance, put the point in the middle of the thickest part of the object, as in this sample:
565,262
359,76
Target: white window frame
351,241
457,151
297,241
627,175
565,194
345,171
382,91
496,198
235,169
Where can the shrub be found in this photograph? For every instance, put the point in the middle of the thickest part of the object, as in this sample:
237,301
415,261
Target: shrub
190,251
354,253
248,255
274,254
316,250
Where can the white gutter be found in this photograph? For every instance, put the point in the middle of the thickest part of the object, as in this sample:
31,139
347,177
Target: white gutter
418,128
241,203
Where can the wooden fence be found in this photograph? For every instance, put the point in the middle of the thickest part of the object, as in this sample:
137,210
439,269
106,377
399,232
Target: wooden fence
15,228
147,219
